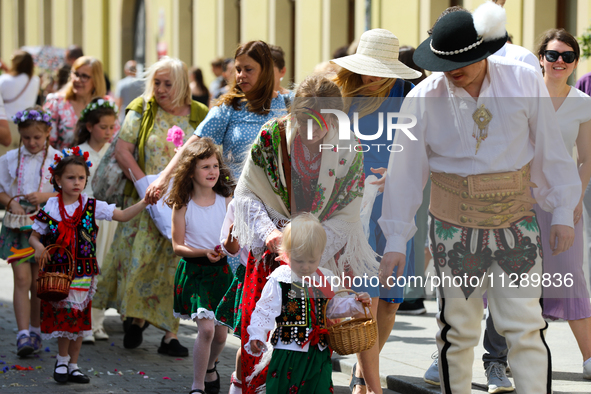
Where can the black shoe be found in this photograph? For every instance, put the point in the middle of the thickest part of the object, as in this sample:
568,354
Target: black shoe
133,337
60,377
129,321
214,386
173,348
412,307
78,378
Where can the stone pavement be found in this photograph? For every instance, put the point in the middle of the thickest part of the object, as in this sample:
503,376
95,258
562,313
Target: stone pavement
112,368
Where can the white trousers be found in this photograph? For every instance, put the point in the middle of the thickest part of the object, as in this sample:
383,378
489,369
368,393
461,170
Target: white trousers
489,257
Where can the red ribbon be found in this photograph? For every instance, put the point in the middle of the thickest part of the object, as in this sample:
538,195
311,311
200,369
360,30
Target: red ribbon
314,337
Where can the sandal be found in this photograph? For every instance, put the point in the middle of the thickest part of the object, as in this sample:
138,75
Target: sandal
355,381
24,346
214,386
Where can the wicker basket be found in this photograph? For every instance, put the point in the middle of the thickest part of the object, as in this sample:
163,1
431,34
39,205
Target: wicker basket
355,335
54,286
15,221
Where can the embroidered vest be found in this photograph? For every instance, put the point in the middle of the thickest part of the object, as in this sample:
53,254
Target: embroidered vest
294,324
84,252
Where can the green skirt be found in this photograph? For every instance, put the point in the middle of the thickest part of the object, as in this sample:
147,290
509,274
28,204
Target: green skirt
13,238
199,288
229,310
300,372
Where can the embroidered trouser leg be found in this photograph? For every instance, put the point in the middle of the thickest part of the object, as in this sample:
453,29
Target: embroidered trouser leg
470,261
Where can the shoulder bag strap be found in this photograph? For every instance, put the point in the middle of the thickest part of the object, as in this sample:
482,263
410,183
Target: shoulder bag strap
20,94
286,162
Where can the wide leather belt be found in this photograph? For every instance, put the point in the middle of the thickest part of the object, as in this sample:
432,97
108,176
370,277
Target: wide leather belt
484,201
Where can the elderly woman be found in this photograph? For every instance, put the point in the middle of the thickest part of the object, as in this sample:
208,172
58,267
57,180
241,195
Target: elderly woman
328,183
18,87
138,275
87,81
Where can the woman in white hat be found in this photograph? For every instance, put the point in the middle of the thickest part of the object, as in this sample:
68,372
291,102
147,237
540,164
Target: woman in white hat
373,79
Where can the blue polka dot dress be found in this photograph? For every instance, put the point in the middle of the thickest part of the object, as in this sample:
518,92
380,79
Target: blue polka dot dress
236,130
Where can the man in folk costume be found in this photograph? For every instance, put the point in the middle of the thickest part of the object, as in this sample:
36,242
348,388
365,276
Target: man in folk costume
486,133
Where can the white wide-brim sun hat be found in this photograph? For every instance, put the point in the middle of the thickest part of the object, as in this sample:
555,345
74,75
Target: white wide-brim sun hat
377,56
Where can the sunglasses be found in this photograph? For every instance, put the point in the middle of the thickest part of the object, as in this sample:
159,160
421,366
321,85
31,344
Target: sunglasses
82,77
567,57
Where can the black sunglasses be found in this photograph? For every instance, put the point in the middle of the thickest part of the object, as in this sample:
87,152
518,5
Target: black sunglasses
552,56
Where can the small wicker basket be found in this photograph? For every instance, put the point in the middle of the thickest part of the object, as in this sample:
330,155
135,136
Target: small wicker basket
15,221
355,335
54,286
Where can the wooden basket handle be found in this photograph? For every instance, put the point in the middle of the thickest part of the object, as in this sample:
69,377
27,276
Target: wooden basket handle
17,196
365,307
47,258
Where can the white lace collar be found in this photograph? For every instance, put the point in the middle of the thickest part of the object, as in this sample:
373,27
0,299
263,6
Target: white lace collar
284,274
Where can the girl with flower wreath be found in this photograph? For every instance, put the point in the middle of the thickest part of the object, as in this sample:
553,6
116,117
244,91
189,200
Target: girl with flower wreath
94,130
69,220
23,172
200,193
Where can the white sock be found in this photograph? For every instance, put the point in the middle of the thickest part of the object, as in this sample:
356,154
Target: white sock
63,362
233,388
22,332
36,330
74,367
587,361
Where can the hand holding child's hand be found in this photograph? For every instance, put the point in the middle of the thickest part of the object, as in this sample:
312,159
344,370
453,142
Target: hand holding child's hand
34,198
364,298
16,208
256,346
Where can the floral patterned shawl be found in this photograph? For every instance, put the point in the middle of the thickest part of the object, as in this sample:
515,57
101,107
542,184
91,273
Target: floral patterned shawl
336,201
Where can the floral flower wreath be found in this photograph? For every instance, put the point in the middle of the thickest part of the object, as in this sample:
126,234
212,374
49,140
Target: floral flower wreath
100,103
75,151
33,114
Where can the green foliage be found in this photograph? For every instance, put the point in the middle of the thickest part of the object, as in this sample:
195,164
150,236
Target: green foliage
585,43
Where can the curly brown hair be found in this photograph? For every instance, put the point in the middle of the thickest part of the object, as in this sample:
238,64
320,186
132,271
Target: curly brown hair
182,186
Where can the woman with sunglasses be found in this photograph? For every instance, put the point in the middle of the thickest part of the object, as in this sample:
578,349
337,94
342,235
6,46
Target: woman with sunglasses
559,56
87,81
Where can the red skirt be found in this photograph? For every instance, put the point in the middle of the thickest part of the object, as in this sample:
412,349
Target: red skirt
254,281
65,322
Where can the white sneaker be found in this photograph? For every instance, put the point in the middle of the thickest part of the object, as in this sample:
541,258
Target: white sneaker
587,370
100,334
88,339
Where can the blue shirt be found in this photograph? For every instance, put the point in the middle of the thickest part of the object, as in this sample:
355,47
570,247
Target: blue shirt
236,130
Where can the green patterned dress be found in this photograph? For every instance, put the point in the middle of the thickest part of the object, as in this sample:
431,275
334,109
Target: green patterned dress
138,272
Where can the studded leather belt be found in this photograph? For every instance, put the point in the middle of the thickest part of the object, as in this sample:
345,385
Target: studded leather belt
482,201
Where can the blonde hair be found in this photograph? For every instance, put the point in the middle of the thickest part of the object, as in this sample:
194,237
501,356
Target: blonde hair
303,237
96,74
179,76
352,85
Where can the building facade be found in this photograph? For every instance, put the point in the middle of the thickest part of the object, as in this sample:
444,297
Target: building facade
197,31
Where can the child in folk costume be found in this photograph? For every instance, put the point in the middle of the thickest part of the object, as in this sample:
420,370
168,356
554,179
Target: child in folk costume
23,172
69,220
301,358
199,197
95,128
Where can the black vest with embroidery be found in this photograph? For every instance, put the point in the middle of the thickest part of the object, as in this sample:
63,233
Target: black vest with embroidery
294,324
84,248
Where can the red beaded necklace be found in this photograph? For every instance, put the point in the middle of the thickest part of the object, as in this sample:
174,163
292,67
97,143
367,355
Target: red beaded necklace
67,226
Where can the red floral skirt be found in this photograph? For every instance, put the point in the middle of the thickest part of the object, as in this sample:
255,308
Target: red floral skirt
255,279
65,322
